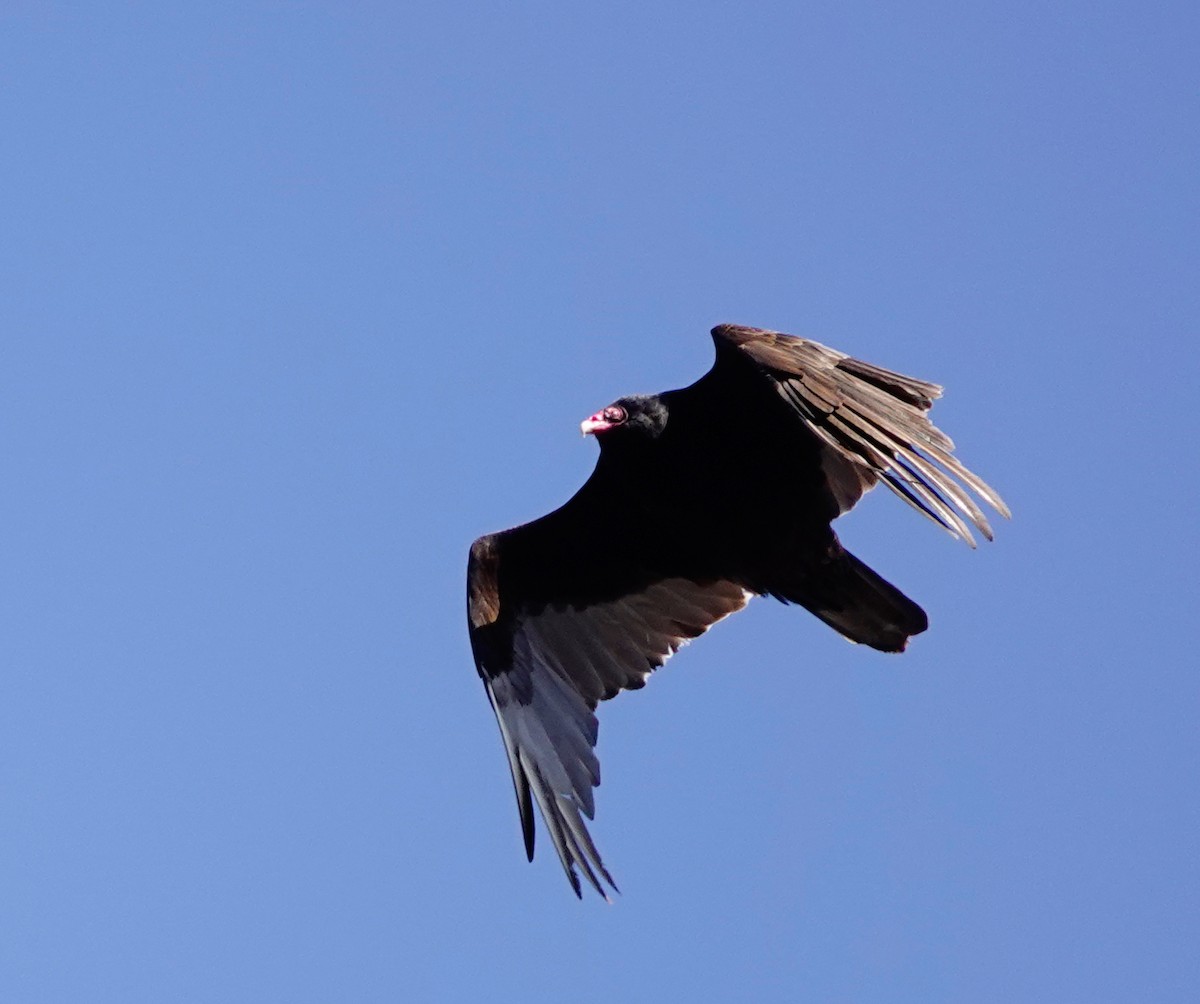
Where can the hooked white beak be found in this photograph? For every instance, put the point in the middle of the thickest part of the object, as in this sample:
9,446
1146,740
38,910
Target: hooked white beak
594,423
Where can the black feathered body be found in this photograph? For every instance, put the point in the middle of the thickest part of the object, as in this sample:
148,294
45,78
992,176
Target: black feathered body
701,498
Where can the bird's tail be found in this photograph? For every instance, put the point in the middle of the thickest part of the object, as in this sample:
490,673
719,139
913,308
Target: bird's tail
856,601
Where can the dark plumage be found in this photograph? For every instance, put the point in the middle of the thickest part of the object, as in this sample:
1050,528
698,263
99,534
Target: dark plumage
701,498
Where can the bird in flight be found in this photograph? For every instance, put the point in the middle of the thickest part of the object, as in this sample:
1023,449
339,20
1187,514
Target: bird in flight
701,499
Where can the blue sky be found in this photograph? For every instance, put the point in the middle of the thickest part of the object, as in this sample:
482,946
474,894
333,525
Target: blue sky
298,299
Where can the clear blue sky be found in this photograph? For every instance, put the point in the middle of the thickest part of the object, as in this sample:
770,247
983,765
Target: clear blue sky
298,299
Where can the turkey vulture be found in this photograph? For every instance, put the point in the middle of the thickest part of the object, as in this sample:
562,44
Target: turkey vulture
701,499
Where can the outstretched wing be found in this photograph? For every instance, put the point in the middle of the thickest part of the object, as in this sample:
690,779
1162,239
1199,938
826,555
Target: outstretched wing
871,423
565,612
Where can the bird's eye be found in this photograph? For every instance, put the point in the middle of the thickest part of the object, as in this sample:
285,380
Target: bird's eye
614,414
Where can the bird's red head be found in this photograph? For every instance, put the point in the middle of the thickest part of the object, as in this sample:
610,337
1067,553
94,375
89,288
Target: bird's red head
602,421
